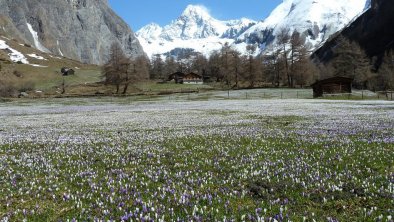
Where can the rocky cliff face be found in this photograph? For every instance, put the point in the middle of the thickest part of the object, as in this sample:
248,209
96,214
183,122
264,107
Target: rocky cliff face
78,29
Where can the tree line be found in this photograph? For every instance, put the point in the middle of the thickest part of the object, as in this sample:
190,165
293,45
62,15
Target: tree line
350,60
287,65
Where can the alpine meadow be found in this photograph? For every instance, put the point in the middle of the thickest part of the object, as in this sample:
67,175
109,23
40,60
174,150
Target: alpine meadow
289,117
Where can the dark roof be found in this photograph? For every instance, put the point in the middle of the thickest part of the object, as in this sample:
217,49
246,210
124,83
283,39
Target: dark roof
333,80
193,75
176,76
177,73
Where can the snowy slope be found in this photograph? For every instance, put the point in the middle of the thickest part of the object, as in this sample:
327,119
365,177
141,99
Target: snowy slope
14,55
315,19
195,29
37,42
17,56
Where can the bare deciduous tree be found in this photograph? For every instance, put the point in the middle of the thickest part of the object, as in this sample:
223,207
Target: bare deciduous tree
351,61
385,77
157,68
283,41
254,67
116,69
138,70
122,70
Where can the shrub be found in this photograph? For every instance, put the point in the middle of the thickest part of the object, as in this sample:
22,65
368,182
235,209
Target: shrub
26,86
18,74
8,90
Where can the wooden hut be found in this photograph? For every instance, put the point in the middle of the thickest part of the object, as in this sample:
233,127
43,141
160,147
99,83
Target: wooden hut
67,71
177,77
332,86
193,78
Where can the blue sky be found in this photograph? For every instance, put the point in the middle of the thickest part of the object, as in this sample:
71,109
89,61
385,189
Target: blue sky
138,13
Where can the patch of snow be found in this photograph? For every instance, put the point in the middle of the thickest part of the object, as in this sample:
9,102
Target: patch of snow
36,65
77,67
37,43
58,47
14,55
36,56
55,57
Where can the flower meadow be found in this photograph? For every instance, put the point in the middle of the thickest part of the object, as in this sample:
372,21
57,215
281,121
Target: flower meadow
219,160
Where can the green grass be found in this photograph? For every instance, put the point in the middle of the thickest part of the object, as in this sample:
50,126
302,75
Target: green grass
226,160
50,77
219,175
158,87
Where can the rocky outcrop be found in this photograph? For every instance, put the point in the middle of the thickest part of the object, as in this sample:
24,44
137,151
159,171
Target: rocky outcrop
78,29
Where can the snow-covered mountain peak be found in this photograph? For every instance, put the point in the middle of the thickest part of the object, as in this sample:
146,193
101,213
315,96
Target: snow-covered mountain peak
242,21
195,22
315,19
292,12
197,12
150,32
196,30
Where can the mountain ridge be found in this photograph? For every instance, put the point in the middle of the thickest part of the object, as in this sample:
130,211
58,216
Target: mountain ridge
316,20
194,29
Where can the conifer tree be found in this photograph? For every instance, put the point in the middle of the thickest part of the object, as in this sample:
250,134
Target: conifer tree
386,72
351,61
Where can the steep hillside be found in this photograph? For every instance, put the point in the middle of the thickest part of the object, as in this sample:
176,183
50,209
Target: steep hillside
79,29
24,68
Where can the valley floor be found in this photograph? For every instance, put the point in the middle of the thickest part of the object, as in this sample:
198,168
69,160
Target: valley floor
201,160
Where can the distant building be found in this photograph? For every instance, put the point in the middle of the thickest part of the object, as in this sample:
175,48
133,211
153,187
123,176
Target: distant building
182,78
67,71
193,78
177,77
332,86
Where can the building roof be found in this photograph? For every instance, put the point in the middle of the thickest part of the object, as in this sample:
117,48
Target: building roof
333,80
193,75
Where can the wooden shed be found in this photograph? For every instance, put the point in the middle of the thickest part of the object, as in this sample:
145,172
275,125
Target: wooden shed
332,86
67,71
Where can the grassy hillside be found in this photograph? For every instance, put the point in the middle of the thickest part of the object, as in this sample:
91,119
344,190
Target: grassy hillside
42,74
